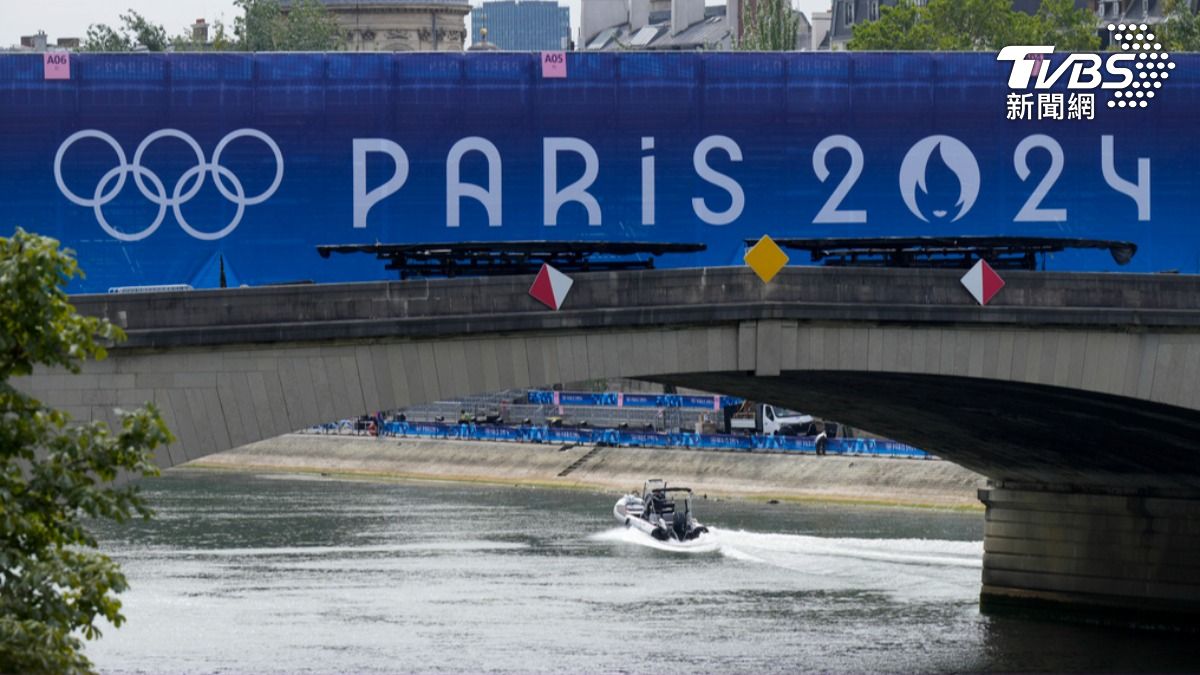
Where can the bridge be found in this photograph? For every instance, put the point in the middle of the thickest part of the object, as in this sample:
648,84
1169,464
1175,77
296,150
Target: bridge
1077,395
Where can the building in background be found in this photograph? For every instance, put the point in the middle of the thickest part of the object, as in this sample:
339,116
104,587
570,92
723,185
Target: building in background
39,42
670,25
522,25
820,28
804,32
399,25
656,24
481,44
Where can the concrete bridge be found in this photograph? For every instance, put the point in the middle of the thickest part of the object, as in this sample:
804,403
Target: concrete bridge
1078,395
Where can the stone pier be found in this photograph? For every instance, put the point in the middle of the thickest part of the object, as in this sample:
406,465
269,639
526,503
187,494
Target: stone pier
1126,559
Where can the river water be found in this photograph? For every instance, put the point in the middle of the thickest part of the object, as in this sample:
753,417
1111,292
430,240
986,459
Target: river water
245,573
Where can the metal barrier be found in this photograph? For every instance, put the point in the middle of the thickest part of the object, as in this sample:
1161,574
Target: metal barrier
648,439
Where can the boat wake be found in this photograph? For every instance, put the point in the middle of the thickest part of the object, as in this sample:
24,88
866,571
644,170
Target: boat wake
798,551
783,549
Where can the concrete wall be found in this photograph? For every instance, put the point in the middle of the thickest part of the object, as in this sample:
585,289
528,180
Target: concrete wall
762,475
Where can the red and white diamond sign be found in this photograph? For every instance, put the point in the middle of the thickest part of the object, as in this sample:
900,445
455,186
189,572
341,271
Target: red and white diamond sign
982,282
551,287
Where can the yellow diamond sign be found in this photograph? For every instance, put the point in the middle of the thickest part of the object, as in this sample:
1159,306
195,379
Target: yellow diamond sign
766,258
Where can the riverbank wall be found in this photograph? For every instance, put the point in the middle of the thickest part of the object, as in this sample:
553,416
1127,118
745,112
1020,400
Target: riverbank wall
763,476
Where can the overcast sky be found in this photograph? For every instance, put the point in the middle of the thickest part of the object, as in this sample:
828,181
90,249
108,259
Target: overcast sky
71,18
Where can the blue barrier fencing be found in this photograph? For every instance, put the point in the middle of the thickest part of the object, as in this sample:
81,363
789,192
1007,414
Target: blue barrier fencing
618,399
648,439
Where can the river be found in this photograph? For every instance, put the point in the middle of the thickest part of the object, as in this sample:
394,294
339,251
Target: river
252,573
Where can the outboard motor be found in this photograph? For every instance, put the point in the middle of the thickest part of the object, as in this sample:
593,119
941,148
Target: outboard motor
679,525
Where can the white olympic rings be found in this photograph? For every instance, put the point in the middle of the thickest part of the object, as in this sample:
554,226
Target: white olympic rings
186,188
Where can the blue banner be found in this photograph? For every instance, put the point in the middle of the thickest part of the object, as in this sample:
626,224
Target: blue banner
644,401
646,439
183,168
618,399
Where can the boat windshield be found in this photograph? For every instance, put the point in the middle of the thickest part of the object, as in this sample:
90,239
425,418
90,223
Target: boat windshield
680,498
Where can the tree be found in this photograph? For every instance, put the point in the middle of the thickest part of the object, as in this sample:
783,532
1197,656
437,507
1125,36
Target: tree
263,27
769,26
219,40
54,474
135,30
101,38
1181,32
266,27
904,27
1067,27
976,25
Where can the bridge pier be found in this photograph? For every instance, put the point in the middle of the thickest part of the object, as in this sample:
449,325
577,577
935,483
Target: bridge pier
1121,559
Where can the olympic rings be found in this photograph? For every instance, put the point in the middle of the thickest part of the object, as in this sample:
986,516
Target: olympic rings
186,188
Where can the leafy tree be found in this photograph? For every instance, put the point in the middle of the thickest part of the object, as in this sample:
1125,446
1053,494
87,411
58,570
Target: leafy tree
54,474
135,30
769,26
265,26
219,40
1067,27
101,38
903,27
976,25
1181,33
258,29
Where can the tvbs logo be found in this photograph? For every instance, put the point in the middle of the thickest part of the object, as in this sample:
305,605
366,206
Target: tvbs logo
1133,75
1086,71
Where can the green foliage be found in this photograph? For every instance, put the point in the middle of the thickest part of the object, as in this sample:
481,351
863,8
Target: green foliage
1181,32
265,27
976,25
904,27
769,26
219,40
54,586
259,28
1067,27
135,30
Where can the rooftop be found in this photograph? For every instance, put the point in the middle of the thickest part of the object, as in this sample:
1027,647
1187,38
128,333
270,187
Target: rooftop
712,31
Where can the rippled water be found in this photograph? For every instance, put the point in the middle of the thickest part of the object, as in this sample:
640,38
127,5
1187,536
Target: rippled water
287,574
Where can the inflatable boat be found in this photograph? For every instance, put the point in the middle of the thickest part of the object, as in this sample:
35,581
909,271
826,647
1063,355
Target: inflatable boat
662,512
